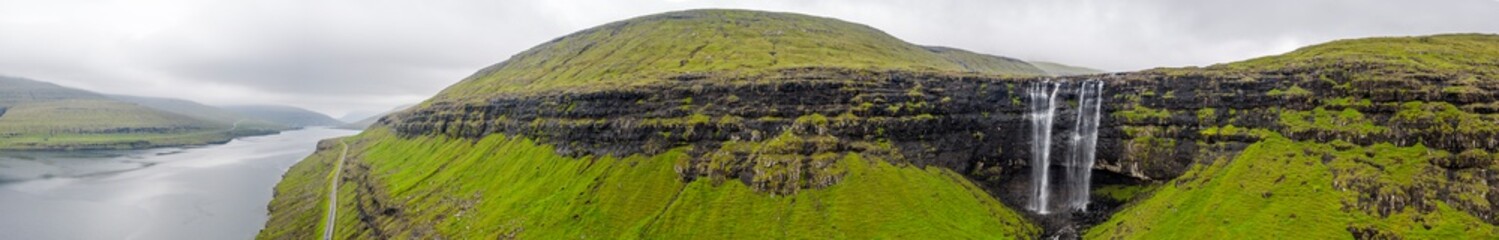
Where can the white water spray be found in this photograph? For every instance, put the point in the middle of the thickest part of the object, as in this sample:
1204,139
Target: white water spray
1081,146
1043,110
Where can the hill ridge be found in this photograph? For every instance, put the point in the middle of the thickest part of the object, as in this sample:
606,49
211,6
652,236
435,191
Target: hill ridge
651,48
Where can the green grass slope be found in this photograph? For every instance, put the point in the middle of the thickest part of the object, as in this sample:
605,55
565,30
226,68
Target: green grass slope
42,116
1058,69
299,207
1325,186
984,63
651,48
1279,189
500,187
1467,53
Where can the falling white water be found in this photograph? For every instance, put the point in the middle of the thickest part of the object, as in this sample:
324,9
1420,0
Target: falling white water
1083,145
1043,109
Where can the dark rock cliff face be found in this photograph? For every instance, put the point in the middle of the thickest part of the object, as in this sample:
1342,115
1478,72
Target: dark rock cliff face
1193,112
776,132
971,124
965,123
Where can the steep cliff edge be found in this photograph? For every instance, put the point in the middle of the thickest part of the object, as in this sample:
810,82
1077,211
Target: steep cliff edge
1369,138
677,125
1387,135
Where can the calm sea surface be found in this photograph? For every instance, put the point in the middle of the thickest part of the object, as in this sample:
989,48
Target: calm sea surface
207,192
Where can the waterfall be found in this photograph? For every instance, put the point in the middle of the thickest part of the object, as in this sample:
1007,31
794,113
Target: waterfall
1081,144
1043,98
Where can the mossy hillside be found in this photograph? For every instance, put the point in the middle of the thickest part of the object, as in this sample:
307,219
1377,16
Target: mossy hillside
1373,168
298,209
1460,68
1058,69
1436,90
651,49
503,187
96,124
1282,188
37,115
1476,54
1123,192
88,116
776,136
1392,138
1161,121
984,63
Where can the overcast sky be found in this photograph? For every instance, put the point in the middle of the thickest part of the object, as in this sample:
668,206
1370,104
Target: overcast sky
338,56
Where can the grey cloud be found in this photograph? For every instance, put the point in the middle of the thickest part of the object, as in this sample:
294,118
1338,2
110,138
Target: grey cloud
339,56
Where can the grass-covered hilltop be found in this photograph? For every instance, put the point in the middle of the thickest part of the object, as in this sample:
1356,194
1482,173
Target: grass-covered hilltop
653,50
43,116
731,124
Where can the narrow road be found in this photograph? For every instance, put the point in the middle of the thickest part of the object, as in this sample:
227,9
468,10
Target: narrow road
333,192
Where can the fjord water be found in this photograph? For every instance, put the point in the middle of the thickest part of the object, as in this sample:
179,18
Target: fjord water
208,192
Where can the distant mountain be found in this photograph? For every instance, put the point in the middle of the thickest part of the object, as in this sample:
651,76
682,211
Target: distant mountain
978,62
286,115
200,111
355,116
366,122
44,116
15,91
1058,69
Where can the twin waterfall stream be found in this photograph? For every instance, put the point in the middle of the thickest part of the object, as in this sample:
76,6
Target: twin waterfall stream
1081,144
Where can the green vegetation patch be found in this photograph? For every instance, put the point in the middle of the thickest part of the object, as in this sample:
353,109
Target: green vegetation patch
1123,192
500,187
1450,53
651,49
1138,114
1445,118
1057,69
298,209
103,124
1349,121
1293,91
1279,188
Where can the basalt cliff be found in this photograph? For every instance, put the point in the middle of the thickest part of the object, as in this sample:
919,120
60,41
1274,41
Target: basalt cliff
743,124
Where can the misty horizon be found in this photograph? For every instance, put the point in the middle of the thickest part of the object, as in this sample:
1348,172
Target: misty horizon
339,57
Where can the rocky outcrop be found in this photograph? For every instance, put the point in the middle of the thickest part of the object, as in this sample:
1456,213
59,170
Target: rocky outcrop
1173,118
773,131
968,123
1155,126
962,122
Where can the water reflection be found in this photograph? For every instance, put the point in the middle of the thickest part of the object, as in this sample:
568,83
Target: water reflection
211,192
